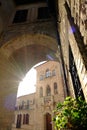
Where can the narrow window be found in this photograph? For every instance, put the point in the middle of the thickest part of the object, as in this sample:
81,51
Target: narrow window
23,104
18,124
27,118
48,91
55,88
27,104
48,73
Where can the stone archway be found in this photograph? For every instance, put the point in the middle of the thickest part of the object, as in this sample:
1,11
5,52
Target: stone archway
17,56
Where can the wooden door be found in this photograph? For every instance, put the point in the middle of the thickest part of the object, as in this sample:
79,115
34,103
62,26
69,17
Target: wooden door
48,122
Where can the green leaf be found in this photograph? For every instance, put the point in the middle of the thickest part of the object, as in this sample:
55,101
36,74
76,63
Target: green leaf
71,113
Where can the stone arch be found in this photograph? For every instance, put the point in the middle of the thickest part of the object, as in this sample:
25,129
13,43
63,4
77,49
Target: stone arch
36,47
17,56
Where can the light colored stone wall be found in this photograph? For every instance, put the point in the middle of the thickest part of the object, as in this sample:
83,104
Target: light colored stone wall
49,81
44,104
14,37
68,38
44,107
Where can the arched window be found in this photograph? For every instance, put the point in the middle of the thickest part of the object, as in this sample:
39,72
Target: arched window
27,118
48,73
55,88
18,124
48,91
41,92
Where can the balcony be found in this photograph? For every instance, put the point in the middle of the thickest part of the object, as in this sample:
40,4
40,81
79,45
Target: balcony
24,107
46,101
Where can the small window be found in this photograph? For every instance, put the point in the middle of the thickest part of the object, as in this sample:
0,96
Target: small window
55,88
20,16
27,118
48,91
18,124
27,104
48,73
43,13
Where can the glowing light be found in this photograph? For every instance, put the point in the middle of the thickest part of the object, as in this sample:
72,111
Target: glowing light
72,30
50,57
27,86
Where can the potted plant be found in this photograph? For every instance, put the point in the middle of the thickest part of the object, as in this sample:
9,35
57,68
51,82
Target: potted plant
71,114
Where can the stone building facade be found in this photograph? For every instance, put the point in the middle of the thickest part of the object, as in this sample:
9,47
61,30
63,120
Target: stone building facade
72,23
24,115
35,111
27,38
